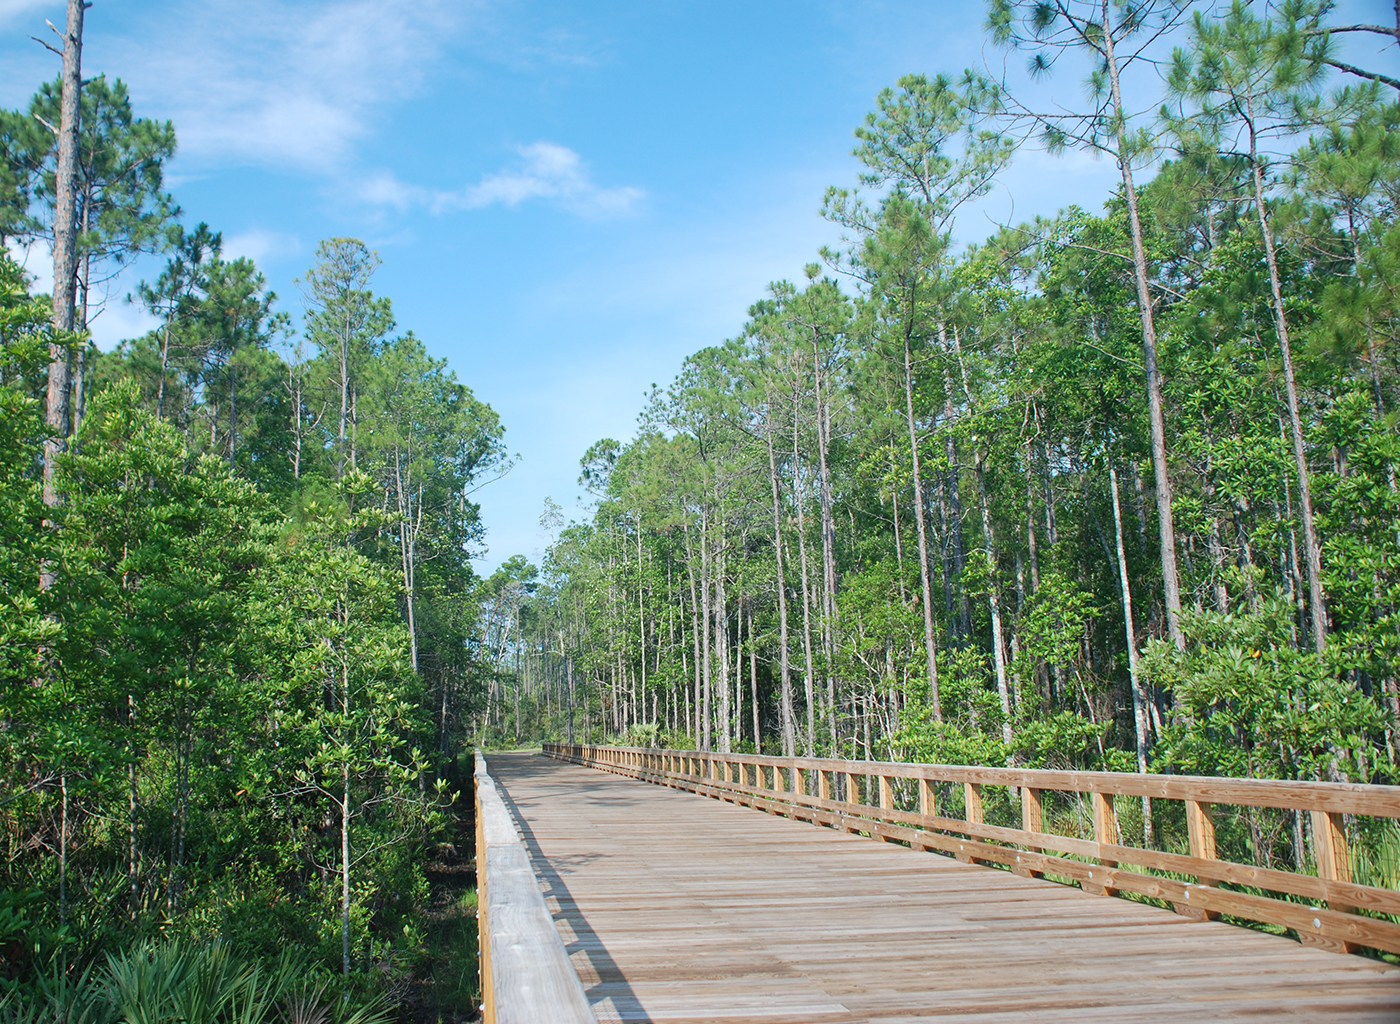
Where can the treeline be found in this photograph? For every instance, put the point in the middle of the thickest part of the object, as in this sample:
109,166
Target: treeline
1108,490
238,618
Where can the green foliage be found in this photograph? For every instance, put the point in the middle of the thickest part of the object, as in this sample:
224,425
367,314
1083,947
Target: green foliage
195,983
761,569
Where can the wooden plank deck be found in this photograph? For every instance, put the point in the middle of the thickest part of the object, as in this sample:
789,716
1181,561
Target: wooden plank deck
678,908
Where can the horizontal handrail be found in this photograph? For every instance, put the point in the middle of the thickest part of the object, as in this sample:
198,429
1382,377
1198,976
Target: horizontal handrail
827,791
526,976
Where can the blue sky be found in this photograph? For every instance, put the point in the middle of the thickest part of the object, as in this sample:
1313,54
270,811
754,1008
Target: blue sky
568,198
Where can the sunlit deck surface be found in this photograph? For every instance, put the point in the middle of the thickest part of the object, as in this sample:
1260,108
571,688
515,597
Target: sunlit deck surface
675,907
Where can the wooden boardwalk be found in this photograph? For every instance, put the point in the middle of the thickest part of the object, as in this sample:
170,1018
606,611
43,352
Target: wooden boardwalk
678,908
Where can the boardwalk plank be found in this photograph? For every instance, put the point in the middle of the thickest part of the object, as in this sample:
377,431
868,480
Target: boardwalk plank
678,908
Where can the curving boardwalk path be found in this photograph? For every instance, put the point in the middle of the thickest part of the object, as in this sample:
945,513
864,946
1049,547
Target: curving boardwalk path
678,908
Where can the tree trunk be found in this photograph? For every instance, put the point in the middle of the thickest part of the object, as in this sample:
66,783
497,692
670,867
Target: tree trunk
1311,550
691,726
721,613
828,542
164,364
989,546
65,258
753,688
925,575
1140,700
232,414
345,870
788,725
344,395
1171,586
994,602
63,852
806,588
705,619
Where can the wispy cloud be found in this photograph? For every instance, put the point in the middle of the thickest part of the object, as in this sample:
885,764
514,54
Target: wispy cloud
11,10
281,84
261,245
547,171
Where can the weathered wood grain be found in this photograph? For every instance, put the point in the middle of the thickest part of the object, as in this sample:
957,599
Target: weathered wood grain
679,909
1332,884
1337,797
526,975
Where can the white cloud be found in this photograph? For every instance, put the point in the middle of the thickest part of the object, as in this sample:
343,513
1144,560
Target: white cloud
111,319
116,320
11,10
276,83
548,171
261,245
37,260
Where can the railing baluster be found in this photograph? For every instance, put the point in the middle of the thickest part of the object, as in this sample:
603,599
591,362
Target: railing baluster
928,797
837,797
1032,820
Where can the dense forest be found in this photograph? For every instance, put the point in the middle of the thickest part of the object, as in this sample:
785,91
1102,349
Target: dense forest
1111,489
239,616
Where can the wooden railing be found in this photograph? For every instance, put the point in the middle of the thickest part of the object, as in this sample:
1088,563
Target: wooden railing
526,976
901,803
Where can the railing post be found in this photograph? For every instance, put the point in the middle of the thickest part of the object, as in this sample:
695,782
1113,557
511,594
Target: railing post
1333,864
823,784
928,798
1032,820
1105,834
1200,830
972,813
886,793
972,800
1032,811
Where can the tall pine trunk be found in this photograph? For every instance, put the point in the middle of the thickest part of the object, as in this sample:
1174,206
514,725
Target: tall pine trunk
1140,698
1171,585
925,574
785,712
65,260
809,682
1311,550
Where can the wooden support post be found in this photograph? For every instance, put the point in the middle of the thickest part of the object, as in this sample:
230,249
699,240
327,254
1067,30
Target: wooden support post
1032,814
823,784
1200,829
1333,864
972,800
1032,820
928,798
852,788
886,797
1105,824
972,813
1105,834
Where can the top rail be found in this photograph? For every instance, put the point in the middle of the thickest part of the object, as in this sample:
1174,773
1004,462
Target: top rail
900,802
526,976
1332,797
